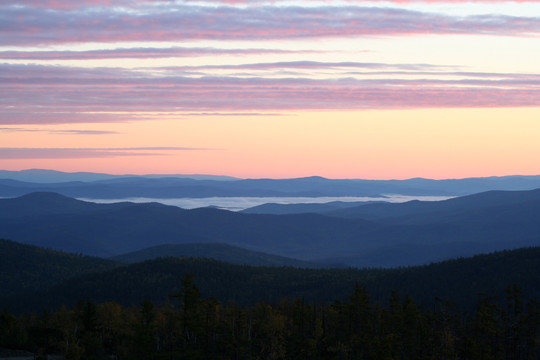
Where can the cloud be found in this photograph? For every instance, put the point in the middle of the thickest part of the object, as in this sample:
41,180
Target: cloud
235,114
142,53
381,1
25,26
33,114
76,4
81,153
311,65
37,94
50,131
513,77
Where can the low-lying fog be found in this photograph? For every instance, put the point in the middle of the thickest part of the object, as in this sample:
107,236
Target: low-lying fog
241,203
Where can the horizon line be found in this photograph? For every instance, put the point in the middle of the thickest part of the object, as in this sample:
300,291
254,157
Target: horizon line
232,177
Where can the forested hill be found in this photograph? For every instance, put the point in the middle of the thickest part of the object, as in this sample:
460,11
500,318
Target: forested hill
29,268
218,251
459,281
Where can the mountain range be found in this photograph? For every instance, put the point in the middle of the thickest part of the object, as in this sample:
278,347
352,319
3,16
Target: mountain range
105,186
139,260
369,235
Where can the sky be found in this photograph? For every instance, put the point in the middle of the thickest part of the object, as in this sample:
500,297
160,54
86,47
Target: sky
271,89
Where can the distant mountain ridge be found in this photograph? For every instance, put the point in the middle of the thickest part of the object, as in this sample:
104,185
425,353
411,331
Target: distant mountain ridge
53,176
488,199
105,186
42,203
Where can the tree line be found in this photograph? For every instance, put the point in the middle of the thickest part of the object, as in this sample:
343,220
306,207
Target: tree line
189,326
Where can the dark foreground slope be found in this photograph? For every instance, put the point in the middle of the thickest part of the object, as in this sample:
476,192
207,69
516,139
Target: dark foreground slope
459,281
26,268
194,326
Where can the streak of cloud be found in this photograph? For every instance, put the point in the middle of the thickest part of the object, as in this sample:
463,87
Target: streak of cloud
81,153
51,131
311,65
142,53
23,26
31,114
75,4
382,1
235,114
39,94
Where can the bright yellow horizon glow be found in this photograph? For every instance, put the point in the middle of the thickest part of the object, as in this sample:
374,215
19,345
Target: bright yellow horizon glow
375,144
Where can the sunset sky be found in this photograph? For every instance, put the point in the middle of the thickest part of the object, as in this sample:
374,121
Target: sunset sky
279,89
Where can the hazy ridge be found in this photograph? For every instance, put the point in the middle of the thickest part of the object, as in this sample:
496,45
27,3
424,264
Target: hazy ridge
369,235
103,186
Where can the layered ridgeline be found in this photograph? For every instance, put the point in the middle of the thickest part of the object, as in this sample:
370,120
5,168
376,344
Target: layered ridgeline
104,186
458,281
369,235
221,252
26,268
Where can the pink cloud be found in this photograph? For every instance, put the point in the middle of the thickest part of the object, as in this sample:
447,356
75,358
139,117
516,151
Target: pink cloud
81,153
233,2
34,26
310,65
36,115
74,4
31,94
140,53
51,131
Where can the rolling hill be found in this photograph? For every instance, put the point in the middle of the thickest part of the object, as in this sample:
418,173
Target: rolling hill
25,268
301,208
114,229
430,211
221,252
394,235
458,281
